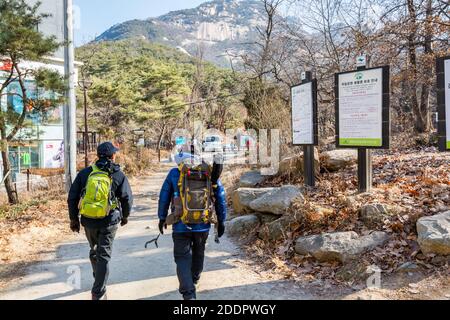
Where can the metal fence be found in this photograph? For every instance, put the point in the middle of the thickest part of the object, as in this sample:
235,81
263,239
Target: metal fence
93,142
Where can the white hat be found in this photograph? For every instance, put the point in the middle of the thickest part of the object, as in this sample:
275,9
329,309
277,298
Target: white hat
184,157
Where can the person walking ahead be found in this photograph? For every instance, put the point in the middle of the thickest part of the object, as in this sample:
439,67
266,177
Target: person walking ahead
102,195
190,238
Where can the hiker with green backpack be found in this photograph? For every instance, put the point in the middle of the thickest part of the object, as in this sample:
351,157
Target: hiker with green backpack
196,198
102,196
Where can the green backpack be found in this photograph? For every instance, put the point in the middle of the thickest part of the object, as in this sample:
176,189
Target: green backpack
97,200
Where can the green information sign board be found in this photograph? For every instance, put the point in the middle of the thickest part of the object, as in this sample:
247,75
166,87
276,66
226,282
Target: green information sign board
362,108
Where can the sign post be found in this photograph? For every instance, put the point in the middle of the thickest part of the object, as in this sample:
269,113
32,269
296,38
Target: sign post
362,114
365,176
365,173
443,101
305,123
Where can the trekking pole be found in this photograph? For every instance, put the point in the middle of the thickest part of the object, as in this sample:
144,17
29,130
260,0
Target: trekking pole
151,241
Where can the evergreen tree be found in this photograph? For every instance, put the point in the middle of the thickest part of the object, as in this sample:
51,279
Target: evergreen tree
164,92
20,41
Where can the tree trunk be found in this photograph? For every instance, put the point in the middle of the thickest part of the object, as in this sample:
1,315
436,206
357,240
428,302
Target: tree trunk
426,86
419,123
11,192
161,135
424,108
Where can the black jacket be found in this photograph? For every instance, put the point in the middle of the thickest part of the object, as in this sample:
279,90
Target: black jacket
120,187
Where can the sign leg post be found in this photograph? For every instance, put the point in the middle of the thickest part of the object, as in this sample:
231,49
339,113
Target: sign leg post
308,166
364,170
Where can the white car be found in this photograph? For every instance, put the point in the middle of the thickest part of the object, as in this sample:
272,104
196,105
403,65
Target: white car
212,144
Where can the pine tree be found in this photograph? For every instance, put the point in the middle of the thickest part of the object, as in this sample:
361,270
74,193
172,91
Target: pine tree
164,89
20,41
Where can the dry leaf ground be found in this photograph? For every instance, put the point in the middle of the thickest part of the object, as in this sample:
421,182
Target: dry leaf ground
31,229
415,183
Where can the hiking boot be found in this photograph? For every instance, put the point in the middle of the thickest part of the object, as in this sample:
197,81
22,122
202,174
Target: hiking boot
190,299
103,297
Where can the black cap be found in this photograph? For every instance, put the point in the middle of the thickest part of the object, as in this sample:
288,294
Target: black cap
106,150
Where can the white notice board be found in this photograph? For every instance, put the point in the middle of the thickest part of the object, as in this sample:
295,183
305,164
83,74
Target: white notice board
302,114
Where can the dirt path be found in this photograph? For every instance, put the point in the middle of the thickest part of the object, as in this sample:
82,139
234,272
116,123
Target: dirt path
137,273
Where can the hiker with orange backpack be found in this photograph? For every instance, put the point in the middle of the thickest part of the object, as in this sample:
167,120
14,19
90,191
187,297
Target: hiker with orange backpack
197,199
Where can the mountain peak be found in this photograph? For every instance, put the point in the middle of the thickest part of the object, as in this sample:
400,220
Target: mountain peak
219,26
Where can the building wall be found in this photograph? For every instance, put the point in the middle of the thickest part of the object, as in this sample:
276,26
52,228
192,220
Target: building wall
54,25
41,146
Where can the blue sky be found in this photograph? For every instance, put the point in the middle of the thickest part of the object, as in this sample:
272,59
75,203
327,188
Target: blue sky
95,16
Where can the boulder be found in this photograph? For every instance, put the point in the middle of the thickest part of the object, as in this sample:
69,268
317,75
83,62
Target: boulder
311,214
277,229
316,163
338,159
242,197
408,267
242,225
434,234
266,218
290,165
319,214
440,260
374,214
277,201
294,165
339,246
251,179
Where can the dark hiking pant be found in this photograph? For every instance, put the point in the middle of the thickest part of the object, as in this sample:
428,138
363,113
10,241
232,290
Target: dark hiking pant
189,253
101,242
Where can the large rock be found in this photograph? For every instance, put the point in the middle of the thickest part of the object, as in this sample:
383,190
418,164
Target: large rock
311,214
242,197
434,234
267,218
408,267
375,214
316,163
293,166
277,201
338,159
242,225
290,165
251,179
277,229
340,246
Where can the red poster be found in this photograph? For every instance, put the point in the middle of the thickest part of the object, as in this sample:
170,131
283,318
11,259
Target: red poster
5,65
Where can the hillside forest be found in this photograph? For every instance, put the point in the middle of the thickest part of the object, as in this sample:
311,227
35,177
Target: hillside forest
254,92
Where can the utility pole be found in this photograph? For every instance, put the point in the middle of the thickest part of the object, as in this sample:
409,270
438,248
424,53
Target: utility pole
86,130
85,84
70,146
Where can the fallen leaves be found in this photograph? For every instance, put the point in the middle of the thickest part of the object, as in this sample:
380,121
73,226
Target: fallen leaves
27,227
416,183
